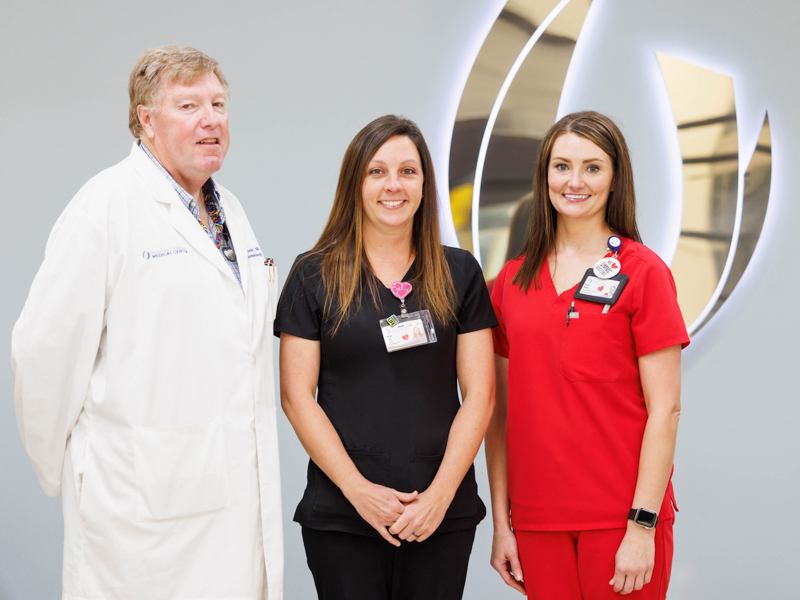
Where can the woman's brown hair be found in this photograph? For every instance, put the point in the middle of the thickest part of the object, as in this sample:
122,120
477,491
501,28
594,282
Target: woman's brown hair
341,245
621,206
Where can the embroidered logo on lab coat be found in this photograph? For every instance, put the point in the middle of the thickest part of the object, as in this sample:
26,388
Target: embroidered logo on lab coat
166,252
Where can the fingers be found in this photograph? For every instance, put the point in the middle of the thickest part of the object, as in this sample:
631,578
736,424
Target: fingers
516,567
405,497
400,525
618,581
385,535
630,581
638,582
510,575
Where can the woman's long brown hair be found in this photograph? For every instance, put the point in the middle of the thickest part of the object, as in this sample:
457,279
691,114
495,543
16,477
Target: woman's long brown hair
346,270
621,206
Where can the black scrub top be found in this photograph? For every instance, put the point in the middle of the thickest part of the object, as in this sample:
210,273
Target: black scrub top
392,410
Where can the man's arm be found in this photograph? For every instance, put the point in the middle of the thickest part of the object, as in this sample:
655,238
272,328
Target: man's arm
55,342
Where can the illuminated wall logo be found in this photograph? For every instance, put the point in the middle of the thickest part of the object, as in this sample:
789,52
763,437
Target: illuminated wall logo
511,99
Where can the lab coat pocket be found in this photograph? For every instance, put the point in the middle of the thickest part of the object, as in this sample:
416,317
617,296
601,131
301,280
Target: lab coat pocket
180,471
591,347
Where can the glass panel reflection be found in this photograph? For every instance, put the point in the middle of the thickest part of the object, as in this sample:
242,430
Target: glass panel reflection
705,111
526,113
757,180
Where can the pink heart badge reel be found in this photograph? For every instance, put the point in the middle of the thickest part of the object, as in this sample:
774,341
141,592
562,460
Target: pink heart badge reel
401,289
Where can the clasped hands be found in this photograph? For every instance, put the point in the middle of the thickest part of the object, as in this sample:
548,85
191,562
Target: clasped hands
411,516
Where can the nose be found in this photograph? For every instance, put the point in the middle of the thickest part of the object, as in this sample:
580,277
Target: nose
211,117
576,179
393,183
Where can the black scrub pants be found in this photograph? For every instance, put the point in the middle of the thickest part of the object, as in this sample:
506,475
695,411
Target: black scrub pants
347,566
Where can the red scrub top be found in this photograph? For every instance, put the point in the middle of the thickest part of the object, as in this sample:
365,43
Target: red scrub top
576,411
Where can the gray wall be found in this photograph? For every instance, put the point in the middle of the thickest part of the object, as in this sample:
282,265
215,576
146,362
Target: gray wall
305,76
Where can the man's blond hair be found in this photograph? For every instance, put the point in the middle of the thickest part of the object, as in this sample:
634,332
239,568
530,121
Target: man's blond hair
161,66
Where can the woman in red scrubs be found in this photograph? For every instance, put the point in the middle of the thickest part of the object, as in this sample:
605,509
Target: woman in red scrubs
588,354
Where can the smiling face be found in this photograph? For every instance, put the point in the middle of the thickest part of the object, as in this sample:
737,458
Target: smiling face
188,133
392,189
580,177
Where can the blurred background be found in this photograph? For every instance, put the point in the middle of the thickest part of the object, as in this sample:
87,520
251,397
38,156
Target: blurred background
705,93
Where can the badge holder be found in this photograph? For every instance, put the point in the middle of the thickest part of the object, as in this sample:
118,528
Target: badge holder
603,291
409,329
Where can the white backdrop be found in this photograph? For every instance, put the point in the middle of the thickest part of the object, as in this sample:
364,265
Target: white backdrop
305,77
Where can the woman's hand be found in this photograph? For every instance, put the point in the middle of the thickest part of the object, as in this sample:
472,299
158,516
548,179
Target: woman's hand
635,560
505,558
421,517
378,505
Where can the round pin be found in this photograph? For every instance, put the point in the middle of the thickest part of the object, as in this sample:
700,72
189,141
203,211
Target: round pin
614,244
607,267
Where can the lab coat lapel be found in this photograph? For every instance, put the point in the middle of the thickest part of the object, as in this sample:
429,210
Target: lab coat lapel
179,216
185,224
239,238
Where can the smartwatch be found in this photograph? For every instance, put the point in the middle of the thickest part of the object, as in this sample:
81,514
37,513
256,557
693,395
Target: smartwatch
643,517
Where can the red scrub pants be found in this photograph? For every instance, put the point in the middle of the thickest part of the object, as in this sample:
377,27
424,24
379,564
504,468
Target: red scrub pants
577,565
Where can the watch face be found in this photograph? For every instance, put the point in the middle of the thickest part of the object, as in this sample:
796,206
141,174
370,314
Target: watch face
646,518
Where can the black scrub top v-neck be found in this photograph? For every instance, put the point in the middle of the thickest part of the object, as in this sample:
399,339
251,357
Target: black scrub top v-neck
392,410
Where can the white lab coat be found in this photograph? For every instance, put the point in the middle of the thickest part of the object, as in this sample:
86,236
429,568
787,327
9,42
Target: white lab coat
145,396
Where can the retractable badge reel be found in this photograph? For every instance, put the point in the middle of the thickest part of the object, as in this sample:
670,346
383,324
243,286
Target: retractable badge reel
409,329
604,283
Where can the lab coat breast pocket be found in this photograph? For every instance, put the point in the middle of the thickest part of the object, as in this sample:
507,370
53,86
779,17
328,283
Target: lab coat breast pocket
591,347
180,471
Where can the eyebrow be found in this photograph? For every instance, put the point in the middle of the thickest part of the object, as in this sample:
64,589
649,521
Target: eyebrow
410,160
568,160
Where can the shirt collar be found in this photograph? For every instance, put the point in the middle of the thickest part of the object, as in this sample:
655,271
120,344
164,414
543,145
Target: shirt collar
185,197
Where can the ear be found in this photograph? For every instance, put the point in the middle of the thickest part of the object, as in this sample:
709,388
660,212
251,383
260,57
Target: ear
146,120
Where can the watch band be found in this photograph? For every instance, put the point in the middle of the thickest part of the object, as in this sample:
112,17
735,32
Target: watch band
643,517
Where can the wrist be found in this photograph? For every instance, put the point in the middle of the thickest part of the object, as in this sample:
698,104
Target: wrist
351,483
440,493
635,529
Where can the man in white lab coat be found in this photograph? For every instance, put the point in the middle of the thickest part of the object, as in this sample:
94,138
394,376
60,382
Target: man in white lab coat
143,359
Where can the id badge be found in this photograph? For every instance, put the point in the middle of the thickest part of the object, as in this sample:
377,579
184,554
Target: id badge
408,330
602,291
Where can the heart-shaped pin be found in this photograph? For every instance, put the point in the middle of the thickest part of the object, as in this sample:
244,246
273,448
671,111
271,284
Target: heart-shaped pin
401,289
600,288
405,337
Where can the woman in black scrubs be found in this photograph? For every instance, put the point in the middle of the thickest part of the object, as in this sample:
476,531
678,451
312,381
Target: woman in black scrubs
391,504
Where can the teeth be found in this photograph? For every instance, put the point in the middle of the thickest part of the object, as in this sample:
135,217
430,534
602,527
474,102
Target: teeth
208,141
576,196
392,203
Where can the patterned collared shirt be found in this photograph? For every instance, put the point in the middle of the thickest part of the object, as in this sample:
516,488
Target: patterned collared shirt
190,203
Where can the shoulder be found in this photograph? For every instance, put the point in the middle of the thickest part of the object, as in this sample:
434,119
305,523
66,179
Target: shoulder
508,271
94,202
306,267
644,258
457,256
